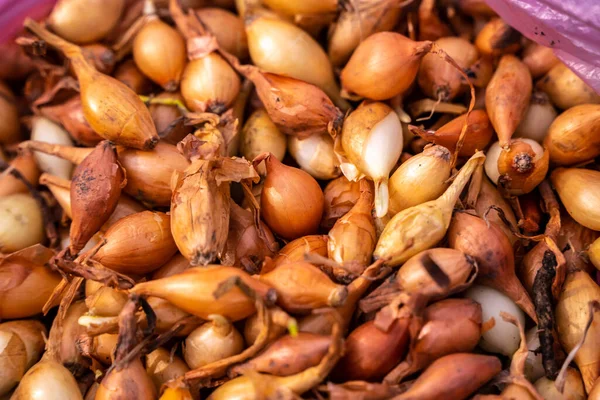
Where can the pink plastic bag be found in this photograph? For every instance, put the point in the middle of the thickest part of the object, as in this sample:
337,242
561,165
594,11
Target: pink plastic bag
14,12
570,27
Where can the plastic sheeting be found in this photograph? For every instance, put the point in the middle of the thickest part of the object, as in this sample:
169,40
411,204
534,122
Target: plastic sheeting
570,27
14,12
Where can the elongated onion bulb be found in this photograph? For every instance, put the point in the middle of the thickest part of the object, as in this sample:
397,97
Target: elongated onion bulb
504,337
85,21
282,48
44,130
372,142
579,191
159,52
21,222
315,155
537,120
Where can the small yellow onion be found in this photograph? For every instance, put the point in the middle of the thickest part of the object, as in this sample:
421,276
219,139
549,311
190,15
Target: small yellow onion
260,135
44,130
133,78
48,380
440,80
422,178
537,120
102,347
227,27
383,66
519,169
293,7
212,342
573,389
579,191
282,48
373,17
566,89
372,142
291,200
209,84
85,21
21,345
103,300
572,138
10,129
21,222
159,52
315,155
572,315
162,366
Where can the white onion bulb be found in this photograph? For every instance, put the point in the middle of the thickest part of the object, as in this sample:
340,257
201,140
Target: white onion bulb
315,155
44,130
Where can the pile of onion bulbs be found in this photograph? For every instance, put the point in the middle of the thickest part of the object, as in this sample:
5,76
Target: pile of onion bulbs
277,199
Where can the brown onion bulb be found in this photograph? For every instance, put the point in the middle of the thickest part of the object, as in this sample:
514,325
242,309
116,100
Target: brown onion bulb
113,110
64,336
490,196
422,178
133,78
131,382
26,165
149,172
100,56
289,355
21,345
539,59
70,115
477,136
10,129
192,291
49,380
209,84
227,28
162,366
159,52
212,341
85,21
168,119
373,17
280,47
579,191
291,200
370,353
138,243
302,287
507,97
572,138
497,38
315,155
296,250
383,66
566,89
340,196
440,80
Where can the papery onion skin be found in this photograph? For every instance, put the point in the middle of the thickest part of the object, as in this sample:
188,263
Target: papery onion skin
103,300
507,97
340,196
162,367
572,138
566,89
422,178
383,66
295,250
209,84
85,21
291,200
159,52
579,191
192,291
